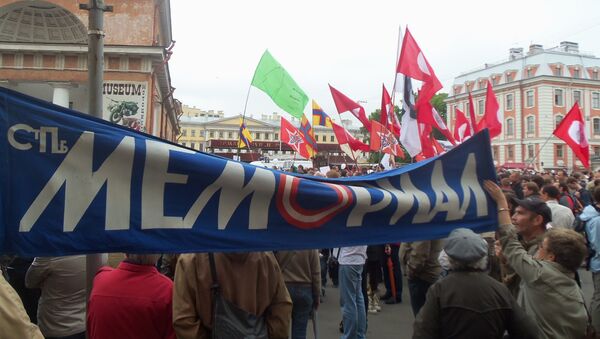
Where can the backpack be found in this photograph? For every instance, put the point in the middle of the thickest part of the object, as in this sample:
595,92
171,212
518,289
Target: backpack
579,227
230,321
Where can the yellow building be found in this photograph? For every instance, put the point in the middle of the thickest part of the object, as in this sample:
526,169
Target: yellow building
220,136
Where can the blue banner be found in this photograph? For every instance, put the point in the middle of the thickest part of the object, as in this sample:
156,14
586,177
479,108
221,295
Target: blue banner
73,184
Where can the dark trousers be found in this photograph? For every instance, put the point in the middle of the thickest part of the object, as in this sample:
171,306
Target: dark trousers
397,271
373,269
323,262
418,291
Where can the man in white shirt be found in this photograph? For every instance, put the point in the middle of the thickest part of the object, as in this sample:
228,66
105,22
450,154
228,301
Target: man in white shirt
562,217
352,302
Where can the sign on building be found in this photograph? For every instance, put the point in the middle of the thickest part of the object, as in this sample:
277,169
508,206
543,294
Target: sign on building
125,103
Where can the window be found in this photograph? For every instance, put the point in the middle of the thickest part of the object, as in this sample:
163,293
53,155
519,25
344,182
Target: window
193,133
529,95
193,145
230,135
183,132
596,100
211,134
529,72
559,151
332,139
509,151
267,136
596,151
220,135
202,133
558,97
495,152
494,81
508,77
530,124
324,138
595,75
596,126
510,127
480,107
509,102
577,97
576,73
183,144
557,71
557,120
467,108
257,136
530,152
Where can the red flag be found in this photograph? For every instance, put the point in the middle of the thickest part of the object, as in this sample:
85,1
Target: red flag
388,116
383,140
491,118
439,149
428,149
413,63
472,115
572,131
462,128
293,137
345,138
345,104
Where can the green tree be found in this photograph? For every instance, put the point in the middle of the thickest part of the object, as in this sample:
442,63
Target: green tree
438,102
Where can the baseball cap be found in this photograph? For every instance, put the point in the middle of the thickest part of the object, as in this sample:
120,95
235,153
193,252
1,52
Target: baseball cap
535,205
465,245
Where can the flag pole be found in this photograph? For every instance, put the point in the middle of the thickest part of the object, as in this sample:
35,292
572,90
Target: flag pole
540,150
243,122
351,150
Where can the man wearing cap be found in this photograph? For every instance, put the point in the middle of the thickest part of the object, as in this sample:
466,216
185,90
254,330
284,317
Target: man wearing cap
530,219
468,303
549,292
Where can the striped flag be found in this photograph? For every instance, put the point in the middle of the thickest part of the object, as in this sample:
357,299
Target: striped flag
320,118
309,135
245,136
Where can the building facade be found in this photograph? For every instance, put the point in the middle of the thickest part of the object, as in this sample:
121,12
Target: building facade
43,53
535,90
219,135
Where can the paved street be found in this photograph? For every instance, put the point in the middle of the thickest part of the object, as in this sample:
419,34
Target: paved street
394,321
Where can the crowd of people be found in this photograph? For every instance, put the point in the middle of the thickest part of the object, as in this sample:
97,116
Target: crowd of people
521,281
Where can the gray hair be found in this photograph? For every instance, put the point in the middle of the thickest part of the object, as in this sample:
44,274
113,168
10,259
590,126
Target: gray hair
142,259
479,265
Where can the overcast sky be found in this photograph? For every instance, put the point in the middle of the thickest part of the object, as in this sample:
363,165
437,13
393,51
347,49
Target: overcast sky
353,44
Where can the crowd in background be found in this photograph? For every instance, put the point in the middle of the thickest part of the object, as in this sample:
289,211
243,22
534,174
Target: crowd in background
522,280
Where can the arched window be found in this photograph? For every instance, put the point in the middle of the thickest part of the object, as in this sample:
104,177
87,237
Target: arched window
596,126
510,127
530,125
557,120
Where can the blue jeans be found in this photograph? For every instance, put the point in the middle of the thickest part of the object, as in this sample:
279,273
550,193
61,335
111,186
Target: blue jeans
302,305
352,302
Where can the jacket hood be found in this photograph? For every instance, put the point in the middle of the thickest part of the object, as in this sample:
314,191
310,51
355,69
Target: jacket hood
588,213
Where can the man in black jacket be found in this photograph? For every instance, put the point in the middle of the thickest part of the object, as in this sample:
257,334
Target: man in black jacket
468,303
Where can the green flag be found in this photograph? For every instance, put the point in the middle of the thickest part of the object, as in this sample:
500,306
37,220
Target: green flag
273,79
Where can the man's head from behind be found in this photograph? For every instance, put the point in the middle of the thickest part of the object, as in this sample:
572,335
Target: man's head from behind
530,217
550,192
142,259
466,250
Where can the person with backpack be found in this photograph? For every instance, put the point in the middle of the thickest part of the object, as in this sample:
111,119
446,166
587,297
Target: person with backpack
221,295
591,217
